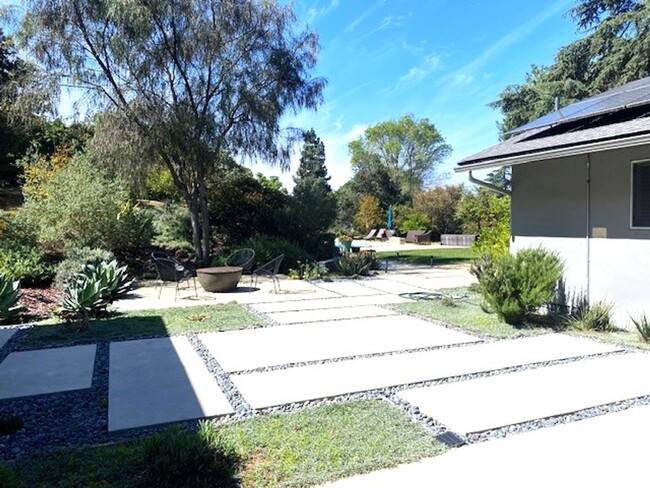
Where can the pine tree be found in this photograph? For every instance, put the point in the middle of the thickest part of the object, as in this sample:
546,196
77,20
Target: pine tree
313,205
312,159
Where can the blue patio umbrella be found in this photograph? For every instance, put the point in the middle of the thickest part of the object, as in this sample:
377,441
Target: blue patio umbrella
389,224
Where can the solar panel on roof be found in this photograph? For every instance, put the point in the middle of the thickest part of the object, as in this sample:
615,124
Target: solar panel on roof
625,96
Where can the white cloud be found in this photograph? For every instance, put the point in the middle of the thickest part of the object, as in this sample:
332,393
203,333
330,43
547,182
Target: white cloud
418,73
352,25
313,14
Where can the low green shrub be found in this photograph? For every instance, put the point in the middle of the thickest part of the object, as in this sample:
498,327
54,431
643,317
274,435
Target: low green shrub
269,247
27,264
172,227
307,271
494,240
9,295
83,205
75,260
515,286
642,325
356,264
200,459
597,316
8,477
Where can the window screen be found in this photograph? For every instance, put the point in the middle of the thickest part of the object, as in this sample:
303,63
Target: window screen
641,194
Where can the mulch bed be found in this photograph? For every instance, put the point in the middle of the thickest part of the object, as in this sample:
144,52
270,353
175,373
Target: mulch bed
40,303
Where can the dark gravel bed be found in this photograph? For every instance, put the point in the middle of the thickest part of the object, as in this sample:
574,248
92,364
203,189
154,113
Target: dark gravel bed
60,420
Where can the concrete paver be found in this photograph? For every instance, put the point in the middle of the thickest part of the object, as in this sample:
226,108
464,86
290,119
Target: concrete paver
326,380
388,285
5,335
329,314
348,288
609,450
488,403
43,371
270,346
339,302
155,381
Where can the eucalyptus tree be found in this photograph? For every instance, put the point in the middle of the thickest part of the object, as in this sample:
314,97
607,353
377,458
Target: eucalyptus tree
196,80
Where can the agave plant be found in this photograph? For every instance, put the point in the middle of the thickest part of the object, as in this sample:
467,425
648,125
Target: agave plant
9,294
114,279
83,297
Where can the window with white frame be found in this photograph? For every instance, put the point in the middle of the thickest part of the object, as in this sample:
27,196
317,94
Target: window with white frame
641,193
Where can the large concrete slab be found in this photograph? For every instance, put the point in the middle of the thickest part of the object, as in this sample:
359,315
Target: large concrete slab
339,302
329,314
271,346
348,288
437,281
332,379
529,395
43,371
388,285
609,450
156,381
5,335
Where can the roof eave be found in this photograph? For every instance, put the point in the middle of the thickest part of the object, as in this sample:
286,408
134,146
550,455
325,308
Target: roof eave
608,145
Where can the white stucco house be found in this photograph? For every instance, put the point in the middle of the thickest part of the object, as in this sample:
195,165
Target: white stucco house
581,186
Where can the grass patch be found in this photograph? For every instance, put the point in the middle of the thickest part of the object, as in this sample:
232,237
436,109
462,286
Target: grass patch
144,323
293,450
431,256
468,314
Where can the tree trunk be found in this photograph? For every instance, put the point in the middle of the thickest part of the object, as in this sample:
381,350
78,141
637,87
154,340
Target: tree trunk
205,221
195,220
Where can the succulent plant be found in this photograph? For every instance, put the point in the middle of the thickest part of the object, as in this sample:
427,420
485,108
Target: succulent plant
82,298
113,278
9,294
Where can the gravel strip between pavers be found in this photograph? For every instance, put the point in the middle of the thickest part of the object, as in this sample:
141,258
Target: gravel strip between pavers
241,406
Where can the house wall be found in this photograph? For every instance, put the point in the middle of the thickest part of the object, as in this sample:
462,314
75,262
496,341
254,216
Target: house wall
554,206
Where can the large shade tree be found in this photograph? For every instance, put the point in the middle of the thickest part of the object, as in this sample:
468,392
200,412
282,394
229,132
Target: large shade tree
196,80
410,150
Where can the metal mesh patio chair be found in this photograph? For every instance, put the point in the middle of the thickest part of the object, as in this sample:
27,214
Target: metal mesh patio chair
170,270
269,270
242,258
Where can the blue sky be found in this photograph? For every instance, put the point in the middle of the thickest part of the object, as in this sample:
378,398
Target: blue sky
444,60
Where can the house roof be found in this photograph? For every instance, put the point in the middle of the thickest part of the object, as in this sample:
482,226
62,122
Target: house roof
614,119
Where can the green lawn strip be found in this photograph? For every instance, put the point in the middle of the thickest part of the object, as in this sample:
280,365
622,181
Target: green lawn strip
436,255
145,323
289,450
623,338
468,315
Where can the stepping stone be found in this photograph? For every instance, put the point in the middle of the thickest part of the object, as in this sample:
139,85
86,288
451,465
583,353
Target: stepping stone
271,346
489,403
329,314
348,288
5,335
156,381
355,375
339,302
391,286
29,373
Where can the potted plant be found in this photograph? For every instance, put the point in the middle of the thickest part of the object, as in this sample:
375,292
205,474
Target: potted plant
345,244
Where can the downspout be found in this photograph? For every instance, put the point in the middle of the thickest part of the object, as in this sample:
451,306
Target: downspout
489,186
588,228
